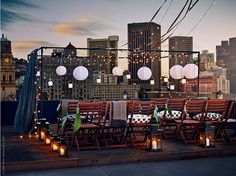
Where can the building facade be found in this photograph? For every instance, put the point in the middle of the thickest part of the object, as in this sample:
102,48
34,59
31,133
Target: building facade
105,60
90,88
206,60
142,37
184,44
226,58
8,80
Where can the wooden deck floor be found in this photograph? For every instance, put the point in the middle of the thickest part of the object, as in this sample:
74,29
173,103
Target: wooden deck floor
30,154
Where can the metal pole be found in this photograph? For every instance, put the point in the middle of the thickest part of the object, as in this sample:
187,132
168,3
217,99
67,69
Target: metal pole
41,82
198,76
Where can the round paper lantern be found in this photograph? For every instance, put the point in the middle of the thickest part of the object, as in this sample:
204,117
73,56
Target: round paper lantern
61,70
176,72
117,71
191,71
80,73
144,73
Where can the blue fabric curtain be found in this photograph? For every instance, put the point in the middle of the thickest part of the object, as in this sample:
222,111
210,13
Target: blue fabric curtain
24,117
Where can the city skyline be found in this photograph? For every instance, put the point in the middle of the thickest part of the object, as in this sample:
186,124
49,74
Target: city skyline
32,24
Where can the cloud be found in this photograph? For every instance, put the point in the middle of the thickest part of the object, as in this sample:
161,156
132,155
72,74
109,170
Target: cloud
83,27
13,11
27,46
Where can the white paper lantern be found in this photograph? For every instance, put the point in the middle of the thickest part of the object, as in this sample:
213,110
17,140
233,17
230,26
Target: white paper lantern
117,71
61,70
80,73
176,72
191,71
144,73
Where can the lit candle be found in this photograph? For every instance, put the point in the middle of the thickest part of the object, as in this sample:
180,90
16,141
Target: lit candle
207,142
42,135
54,147
47,141
62,151
154,144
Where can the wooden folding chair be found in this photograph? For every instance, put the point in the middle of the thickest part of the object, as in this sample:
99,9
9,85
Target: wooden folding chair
114,126
167,122
188,126
140,117
216,114
68,128
87,135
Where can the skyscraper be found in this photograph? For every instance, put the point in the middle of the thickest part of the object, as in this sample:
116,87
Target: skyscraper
180,43
142,37
103,60
226,57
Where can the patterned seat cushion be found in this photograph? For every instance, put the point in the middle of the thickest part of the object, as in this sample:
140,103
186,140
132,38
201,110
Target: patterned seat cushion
176,114
139,118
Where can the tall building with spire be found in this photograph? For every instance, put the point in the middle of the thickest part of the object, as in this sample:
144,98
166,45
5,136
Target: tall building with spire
143,37
8,81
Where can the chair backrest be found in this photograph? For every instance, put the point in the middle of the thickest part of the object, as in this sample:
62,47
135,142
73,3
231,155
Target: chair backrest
72,106
216,107
91,111
177,107
195,107
143,110
176,104
159,103
105,112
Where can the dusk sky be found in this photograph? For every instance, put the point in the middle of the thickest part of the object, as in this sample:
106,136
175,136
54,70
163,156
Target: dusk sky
30,24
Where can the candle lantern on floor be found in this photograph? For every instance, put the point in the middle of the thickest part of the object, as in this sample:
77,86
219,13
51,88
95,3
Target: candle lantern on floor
207,135
42,127
63,148
154,140
48,137
55,143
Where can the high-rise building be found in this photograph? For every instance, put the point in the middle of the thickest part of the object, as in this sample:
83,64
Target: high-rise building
184,44
104,60
222,54
226,57
143,37
180,43
206,60
8,81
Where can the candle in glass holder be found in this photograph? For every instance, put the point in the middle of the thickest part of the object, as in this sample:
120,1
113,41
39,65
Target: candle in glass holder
62,152
54,147
207,142
154,144
42,134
